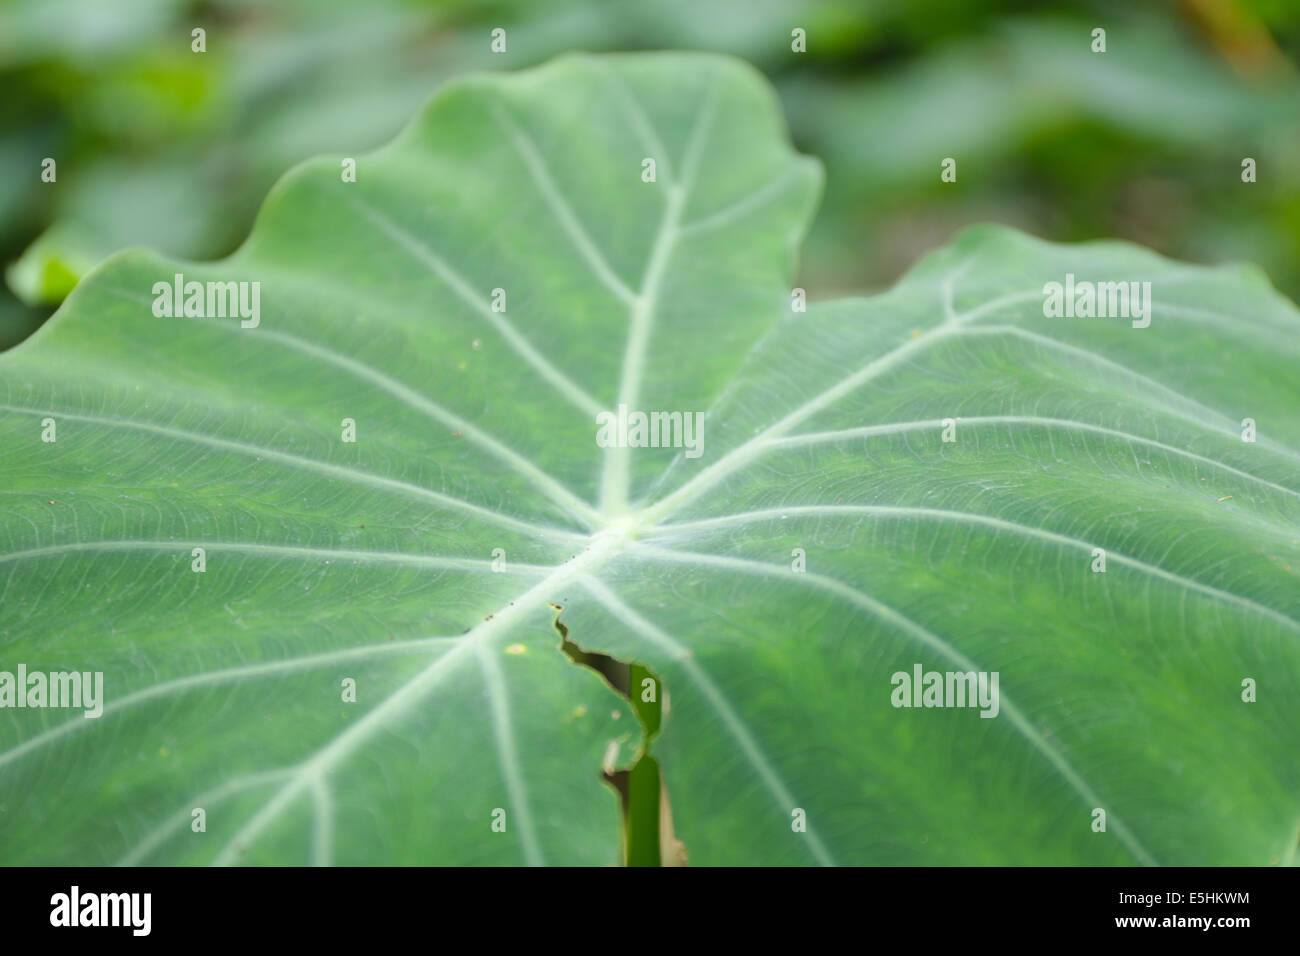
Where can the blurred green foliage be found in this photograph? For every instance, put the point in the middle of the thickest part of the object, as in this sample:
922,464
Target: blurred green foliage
157,145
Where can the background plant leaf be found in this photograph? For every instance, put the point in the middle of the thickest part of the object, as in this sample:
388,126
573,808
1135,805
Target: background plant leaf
161,147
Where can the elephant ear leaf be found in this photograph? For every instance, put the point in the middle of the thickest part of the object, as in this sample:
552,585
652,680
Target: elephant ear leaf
937,576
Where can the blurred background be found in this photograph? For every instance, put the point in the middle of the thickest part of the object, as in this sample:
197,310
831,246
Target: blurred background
156,145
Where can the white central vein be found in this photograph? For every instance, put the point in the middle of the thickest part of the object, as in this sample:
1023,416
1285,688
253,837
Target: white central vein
616,475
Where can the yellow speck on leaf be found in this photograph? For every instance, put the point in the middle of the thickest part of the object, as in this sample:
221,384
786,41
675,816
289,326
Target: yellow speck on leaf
516,649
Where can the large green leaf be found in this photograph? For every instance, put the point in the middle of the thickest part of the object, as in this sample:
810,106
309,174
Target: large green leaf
476,431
